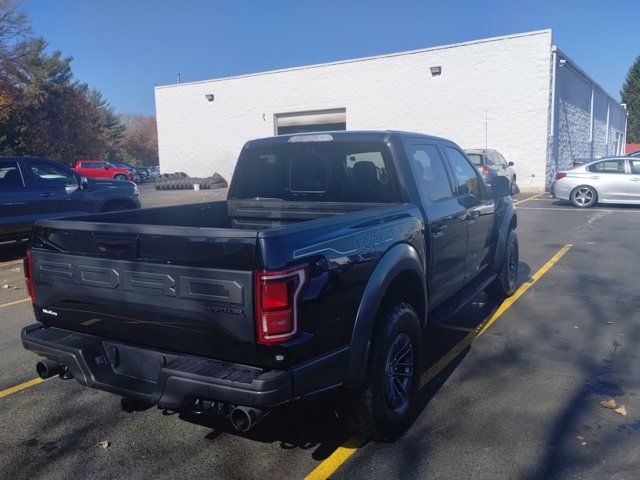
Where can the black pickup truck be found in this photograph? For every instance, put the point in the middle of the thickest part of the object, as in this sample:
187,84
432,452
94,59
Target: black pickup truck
332,254
32,188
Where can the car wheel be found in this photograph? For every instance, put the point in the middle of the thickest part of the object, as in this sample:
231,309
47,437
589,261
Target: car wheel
120,177
583,196
386,408
505,283
512,186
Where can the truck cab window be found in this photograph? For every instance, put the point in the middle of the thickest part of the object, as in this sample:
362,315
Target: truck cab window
430,172
466,176
317,171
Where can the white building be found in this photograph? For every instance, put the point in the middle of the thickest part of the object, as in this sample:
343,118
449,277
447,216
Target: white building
518,94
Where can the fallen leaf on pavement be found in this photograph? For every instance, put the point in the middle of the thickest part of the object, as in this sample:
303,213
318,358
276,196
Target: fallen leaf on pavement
5,286
611,403
103,444
622,410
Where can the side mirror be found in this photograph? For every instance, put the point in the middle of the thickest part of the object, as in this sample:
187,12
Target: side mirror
500,187
84,182
510,164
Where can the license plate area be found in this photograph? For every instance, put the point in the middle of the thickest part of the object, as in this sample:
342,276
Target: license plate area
135,362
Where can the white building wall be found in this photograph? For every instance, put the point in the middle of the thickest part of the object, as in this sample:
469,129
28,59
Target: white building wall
506,79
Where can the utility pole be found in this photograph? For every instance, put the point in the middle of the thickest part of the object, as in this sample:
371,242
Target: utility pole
486,128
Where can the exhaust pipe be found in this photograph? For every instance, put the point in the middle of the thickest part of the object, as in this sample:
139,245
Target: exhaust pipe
245,418
48,368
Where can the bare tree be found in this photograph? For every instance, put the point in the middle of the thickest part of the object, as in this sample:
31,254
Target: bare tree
15,36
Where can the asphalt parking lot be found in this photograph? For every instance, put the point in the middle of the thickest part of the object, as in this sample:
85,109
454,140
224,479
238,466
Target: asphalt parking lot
510,390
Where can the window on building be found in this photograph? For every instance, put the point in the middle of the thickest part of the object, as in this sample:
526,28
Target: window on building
430,172
311,121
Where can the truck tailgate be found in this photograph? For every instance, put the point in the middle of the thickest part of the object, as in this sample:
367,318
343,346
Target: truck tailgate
182,293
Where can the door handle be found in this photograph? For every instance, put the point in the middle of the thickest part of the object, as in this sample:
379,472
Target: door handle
595,177
46,194
635,179
439,230
473,214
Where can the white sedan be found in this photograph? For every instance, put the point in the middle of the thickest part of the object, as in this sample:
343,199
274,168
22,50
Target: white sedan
607,180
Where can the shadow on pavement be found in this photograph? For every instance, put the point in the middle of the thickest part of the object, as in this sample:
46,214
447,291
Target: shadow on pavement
313,423
12,252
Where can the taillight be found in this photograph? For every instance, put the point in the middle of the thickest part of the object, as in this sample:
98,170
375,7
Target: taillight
277,296
560,175
28,275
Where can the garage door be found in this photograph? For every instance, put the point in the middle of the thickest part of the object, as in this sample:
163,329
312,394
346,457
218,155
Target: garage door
311,121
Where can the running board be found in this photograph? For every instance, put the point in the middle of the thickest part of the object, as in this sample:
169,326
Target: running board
460,299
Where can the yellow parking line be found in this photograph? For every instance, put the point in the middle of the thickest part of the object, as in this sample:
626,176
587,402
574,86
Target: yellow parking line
328,466
523,288
528,198
22,386
15,302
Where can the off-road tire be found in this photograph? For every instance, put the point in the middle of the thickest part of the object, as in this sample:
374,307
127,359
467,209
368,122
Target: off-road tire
369,414
506,282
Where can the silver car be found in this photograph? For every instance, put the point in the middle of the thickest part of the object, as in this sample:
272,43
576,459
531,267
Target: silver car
491,164
608,180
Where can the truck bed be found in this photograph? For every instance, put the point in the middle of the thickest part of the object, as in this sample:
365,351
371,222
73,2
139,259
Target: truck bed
178,279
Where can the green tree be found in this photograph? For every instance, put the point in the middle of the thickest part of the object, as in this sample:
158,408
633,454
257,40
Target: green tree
630,94
54,116
44,111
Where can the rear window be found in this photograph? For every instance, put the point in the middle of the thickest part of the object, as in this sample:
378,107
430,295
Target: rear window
317,171
609,166
475,158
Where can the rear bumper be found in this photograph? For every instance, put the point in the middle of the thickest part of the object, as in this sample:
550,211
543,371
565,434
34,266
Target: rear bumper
167,380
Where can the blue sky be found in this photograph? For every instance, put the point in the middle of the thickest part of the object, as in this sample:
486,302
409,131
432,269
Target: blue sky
124,48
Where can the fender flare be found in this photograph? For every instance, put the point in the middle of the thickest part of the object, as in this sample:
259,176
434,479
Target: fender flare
508,213
397,259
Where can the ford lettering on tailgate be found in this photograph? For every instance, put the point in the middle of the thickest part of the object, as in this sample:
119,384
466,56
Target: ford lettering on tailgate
148,283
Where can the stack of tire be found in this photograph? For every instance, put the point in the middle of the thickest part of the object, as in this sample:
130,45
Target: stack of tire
181,181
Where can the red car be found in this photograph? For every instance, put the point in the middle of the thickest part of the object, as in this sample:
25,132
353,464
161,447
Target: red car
98,169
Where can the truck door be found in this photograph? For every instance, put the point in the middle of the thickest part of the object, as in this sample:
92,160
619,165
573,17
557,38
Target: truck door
58,188
446,218
472,196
